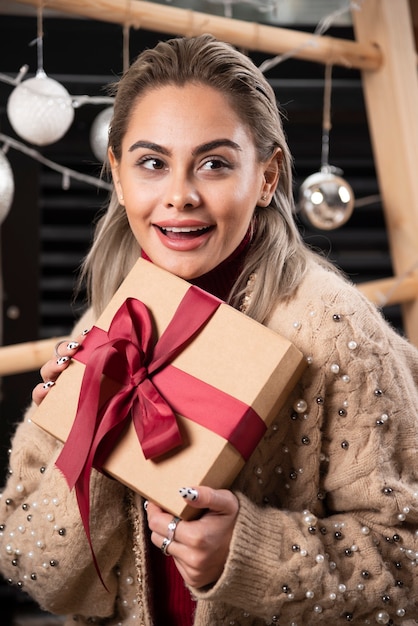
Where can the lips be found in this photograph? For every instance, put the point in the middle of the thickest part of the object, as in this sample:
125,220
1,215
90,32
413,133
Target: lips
184,232
182,237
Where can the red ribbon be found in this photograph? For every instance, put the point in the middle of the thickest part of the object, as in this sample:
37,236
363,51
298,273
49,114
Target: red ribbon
147,392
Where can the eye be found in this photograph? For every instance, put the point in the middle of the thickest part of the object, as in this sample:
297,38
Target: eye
151,163
215,164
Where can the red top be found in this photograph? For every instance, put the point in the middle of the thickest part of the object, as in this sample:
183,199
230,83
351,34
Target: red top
173,603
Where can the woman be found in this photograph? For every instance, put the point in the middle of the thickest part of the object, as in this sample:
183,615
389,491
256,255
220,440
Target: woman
320,525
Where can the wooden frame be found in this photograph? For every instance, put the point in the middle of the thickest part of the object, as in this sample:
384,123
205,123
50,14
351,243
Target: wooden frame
391,95
384,52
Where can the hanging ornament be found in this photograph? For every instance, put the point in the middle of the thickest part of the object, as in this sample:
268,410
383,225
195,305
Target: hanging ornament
99,134
40,110
326,200
7,186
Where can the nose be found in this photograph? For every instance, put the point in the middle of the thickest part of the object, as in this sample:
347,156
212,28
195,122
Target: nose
181,192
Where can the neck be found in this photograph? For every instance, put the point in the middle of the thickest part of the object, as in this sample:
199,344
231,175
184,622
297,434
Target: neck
220,280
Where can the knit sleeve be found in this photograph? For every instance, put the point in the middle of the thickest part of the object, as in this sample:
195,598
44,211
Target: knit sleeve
42,543
43,546
331,537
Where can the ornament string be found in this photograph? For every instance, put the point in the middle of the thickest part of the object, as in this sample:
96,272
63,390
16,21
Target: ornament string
326,118
126,37
40,41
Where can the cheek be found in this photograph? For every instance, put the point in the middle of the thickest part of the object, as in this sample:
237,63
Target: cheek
137,220
248,190
242,207
137,203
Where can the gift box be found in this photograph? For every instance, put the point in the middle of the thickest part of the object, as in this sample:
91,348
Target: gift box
189,412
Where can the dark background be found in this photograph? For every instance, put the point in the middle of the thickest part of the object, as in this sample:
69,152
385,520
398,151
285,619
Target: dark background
48,230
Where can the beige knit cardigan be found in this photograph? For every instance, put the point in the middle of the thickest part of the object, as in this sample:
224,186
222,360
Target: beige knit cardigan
327,527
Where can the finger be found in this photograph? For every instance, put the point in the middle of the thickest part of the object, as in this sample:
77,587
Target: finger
220,501
68,347
53,368
64,351
160,522
40,391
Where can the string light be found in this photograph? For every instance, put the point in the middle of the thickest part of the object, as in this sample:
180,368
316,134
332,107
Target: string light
15,81
65,171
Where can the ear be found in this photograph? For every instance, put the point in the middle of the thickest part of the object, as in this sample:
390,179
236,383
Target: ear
272,169
114,166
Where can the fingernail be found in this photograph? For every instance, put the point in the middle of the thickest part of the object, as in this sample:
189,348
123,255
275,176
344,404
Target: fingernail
48,384
62,360
72,345
188,493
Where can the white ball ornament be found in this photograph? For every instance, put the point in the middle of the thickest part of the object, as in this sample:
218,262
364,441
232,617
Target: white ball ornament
7,187
326,200
99,134
40,110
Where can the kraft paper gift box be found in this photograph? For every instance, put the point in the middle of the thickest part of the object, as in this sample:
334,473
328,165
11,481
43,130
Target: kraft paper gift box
231,354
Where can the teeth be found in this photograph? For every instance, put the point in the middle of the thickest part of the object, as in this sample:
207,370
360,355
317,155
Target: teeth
183,229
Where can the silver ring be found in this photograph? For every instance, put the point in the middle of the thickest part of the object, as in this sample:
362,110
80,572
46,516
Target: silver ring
57,345
171,529
166,542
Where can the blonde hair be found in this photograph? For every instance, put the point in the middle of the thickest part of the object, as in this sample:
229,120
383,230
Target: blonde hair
278,255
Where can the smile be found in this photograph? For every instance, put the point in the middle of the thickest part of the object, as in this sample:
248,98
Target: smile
188,231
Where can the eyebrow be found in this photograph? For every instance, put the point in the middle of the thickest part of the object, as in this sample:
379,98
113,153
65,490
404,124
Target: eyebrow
204,147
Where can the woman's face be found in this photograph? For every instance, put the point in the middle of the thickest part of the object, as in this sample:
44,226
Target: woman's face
189,178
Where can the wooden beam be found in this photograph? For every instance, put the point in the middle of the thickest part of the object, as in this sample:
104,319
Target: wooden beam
30,356
391,95
391,290
253,36
26,356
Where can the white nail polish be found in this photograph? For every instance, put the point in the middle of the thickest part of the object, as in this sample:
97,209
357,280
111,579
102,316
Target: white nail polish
188,493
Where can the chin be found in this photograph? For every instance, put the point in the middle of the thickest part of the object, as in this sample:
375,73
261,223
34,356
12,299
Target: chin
183,268
181,272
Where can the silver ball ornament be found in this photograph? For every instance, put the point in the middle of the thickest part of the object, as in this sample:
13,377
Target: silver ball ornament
40,110
7,186
99,134
326,200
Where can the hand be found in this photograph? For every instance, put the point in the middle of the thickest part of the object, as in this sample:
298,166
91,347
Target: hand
57,364
199,547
